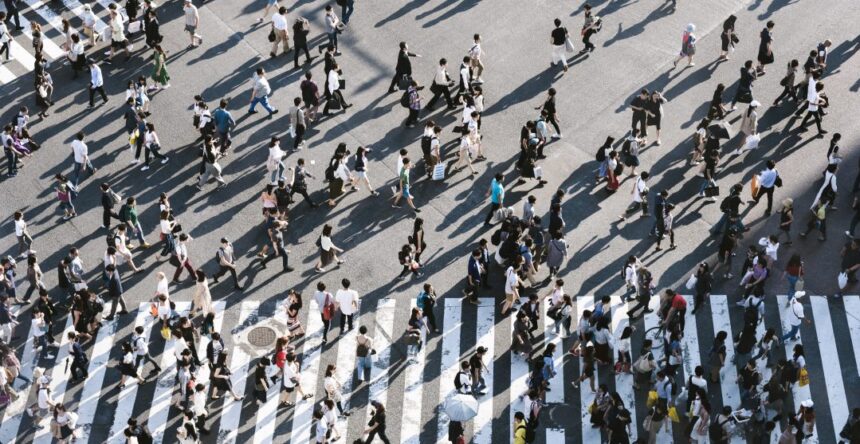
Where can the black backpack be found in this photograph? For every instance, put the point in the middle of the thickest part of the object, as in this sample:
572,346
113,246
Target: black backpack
404,100
329,173
123,213
496,238
716,432
457,383
601,154
625,147
111,238
751,313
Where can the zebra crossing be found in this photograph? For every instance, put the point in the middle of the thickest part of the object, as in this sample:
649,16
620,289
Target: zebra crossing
49,16
832,368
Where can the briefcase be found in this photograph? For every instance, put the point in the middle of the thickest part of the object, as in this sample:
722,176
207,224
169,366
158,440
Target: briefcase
342,84
712,191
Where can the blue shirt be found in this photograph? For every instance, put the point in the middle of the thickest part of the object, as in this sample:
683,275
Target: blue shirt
767,178
474,269
223,120
664,389
497,192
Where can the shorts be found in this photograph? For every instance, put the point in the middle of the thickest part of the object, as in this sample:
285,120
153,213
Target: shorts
191,29
406,194
117,44
287,389
509,298
360,174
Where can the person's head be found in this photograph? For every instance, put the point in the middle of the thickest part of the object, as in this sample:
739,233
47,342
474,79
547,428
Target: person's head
557,22
282,10
183,237
261,72
519,416
770,24
748,64
328,9
362,330
721,335
330,369
320,286
551,92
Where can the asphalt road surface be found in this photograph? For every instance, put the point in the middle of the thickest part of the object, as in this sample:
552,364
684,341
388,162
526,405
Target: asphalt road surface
634,50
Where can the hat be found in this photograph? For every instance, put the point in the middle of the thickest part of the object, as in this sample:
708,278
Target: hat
755,104
481,350
808,403
691,27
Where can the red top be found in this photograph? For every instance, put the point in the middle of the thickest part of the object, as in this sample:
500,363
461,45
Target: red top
678,302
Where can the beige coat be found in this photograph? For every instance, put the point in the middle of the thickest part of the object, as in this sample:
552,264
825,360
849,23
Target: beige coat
749,123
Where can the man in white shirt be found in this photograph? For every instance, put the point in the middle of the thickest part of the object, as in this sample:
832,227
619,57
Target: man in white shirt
813,97
181,253
347,302
140,345
260,91
332,90
320,296
82,158
767,181
281,28
475,53
512,292
640,197
465,78
192,21
795,317
24,239
96,83
441,82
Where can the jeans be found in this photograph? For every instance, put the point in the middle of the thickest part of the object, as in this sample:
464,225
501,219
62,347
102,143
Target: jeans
362,366
223,269
263,101
795,329
278,173
332,39
12,161
346,10
706,183
43,343
77,171
326,326
138,231
792,282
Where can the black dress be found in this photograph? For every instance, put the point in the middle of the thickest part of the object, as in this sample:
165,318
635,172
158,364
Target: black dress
223,384
763,57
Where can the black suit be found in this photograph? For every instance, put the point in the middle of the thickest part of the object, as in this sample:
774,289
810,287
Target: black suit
115,293
12,12
404,67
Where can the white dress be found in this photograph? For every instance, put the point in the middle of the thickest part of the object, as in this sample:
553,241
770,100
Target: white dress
202,298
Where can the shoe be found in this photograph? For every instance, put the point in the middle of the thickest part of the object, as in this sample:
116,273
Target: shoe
288,269
107,318
556,136
252,112
134,162
163,161
123,312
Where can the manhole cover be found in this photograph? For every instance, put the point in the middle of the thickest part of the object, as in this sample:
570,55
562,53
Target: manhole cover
262,336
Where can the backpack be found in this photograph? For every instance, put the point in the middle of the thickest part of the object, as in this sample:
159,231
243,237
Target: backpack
218,254
625,147
328,308
496,238
123,213
457,383
404,100
111,238
601,154
329,172
751,313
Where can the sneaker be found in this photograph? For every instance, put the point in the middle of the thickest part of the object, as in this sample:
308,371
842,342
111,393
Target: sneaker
134,162
144,168
163,161
556,136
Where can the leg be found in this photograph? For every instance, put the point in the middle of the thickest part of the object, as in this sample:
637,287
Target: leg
493,208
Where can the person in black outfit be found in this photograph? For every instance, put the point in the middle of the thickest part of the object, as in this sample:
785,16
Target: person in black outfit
404,66
744,92
12,13
552,113
728,37
643,297
441,86
730,206
298,184
328,60
639,104
301,29
376,426
152,31
107,205
79,359
765,50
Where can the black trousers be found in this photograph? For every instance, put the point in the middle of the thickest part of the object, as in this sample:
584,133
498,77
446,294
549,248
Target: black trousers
326,327
551,120
79,365
493,208
338,96
139,358
224,269
296,54
787,91
100,90
13,16
201,423
304,193
154,150
106,215
377,431
300,136
285,258
346,320
642,301
816,115
413,117
769,192
639,118
396,78
586,40
441,90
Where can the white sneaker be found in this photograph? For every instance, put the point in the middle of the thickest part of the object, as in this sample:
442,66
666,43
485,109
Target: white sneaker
144,168
163,161
134,162
556,136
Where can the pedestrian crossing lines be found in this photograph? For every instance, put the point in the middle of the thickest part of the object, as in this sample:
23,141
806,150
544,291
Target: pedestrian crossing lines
831,376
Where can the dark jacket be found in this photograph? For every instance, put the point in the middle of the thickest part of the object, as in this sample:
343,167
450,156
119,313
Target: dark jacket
107,202
114,286
404,65
300,35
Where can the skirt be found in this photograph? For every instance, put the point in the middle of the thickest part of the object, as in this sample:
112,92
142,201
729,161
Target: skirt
161,76
335,188
326,257
602,352
128,370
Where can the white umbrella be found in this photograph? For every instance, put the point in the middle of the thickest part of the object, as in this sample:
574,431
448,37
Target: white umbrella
461,407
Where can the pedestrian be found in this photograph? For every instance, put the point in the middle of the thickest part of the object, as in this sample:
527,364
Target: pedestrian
765,47
80,153
182,259
818,219
326,303
159,71
744,93
477,368
654,108
211,166
556,252
328,251
128,214
441,86
260,92
347,303
310,96
301,29
12,14
591,26
202,299
788,87
688,46
332,28
334,390
640,196
118,39
221,378
559,38
192,21
5,36
666,227
127,365
496,193
298,183
728,38
153,145
280,29
404,188
587,371
140,346
717,356
96,82
334,96
768,179
261,380
748,129
226,263
816,101
224,123
414,104
403,70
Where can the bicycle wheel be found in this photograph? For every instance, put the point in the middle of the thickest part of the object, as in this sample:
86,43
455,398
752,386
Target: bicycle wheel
655,334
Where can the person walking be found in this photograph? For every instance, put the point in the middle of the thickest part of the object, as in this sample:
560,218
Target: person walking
744,93
182,260
153,146
115,292
332,28
748,129
768,179
96,82
414,104
688,46
404,189
728,38
403,70
559,38
765,48
347,303
80,152
334,96
260,91
301,29
211,166
591,26
441,86
192,22
140,346
226,263
496,193
280,27
159,70
224,123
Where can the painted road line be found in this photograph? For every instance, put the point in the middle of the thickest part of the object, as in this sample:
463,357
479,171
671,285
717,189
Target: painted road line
830,365
623,381
486,322
165,384
86,409
410,422
450,365
239,360
852,312
799,393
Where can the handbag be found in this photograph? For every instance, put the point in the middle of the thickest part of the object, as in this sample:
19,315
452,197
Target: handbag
652,399
272,36
673,414
134,27
691,282
538,172
404,82
842,280
333,103
439,171
341,84
568,45
803,377
712,191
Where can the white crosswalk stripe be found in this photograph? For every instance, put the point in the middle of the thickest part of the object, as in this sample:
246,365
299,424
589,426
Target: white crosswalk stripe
799,393
852,312
586,396
52,50
652,321
826,375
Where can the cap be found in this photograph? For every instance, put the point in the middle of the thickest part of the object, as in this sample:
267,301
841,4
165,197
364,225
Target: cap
691,27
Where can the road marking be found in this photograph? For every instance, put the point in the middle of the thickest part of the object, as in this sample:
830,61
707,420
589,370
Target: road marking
556,395
54,51
92,391
852,312
623,381
729,372
586,396
303,415
652,321
830,365
125,402
165,384
483,422
799,393
382,344
239,360
410,423
519,377
267,413
451,325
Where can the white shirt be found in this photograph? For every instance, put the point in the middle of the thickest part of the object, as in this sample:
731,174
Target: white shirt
479,103
182,251
140,345
161,288
464,74
44,399
20,226
151,138
342,172
290,371
36,329
321,430
630,276
96,76
261,86
275,154
279,21
333,81
399,166
797,312
165,226
441,77
80,150
199,403
331,22
326,244
179,346
640,187
812,98
346,299
475,51
467,114
511,280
